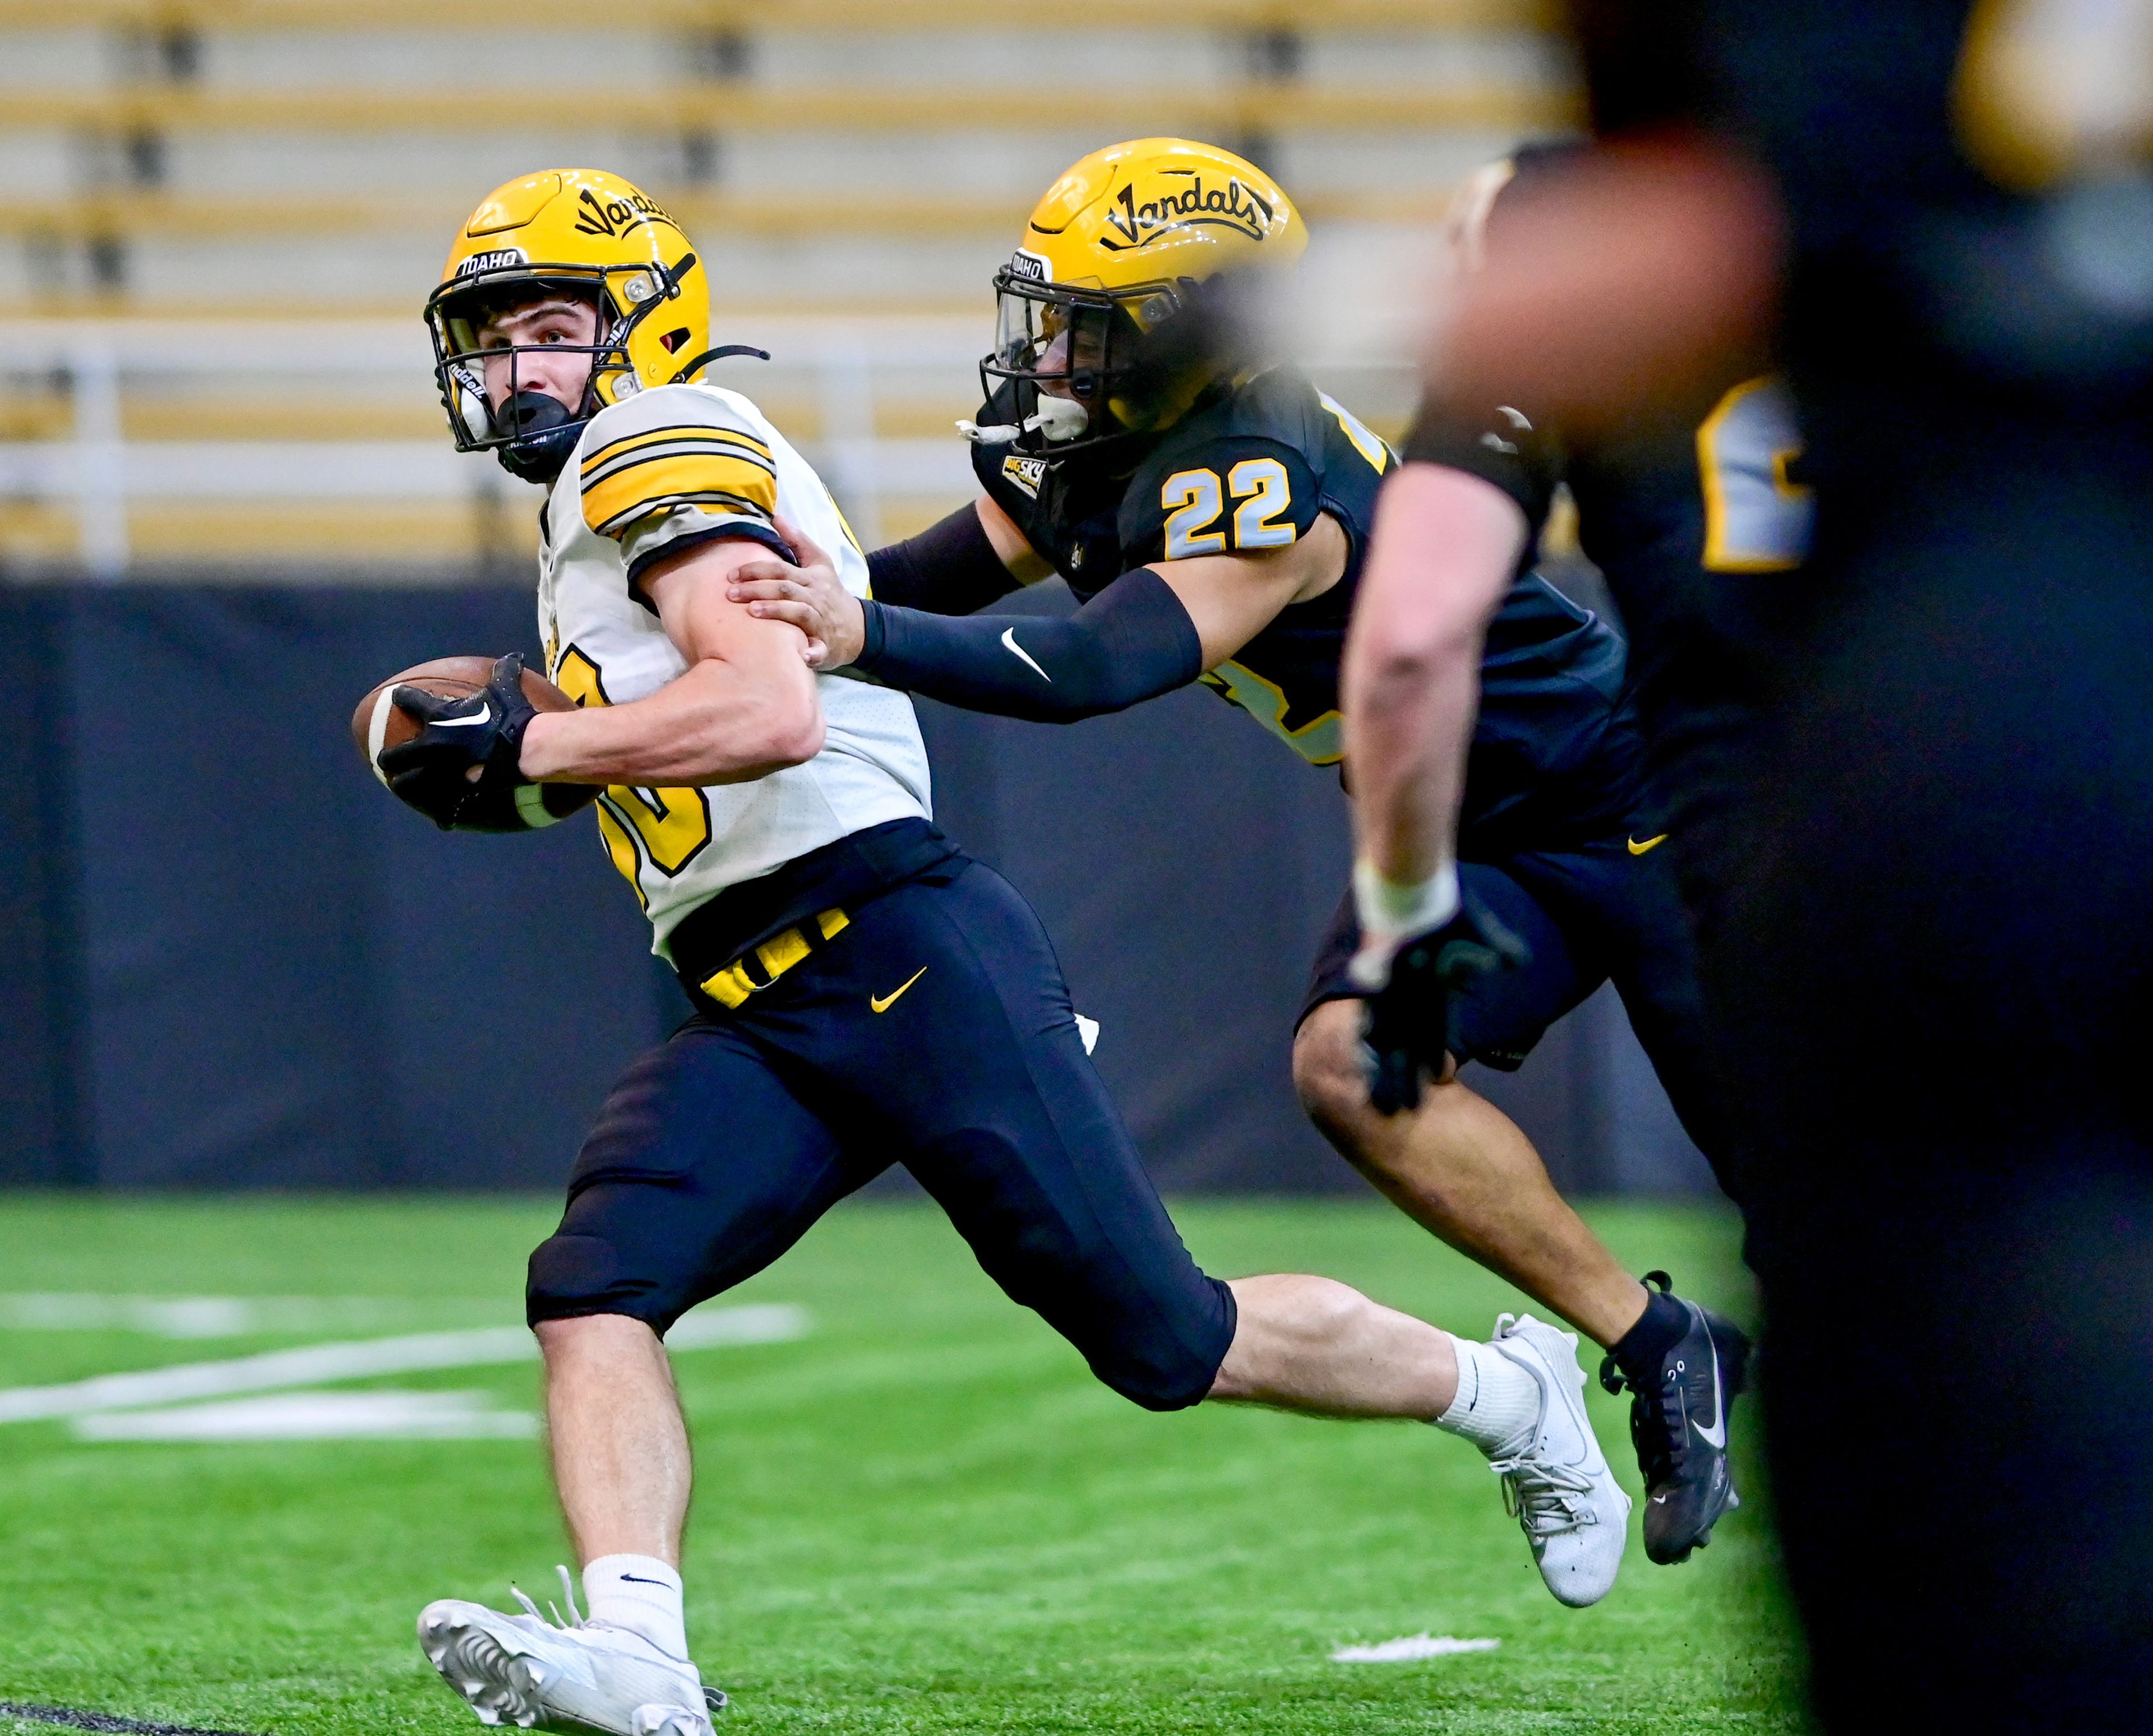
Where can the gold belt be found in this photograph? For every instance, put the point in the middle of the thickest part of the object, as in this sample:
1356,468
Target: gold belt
732,986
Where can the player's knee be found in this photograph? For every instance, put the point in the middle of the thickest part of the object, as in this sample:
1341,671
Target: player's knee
1171,1360
1327,1070
1298,1304
602,1335
578,1277
1169,1387
1284,1317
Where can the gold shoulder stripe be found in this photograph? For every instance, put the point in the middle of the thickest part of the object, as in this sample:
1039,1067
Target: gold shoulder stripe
718,509
627,496
592,476
623,498
677,430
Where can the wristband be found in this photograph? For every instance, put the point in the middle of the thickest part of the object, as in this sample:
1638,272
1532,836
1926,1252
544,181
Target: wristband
1391,913
1389,908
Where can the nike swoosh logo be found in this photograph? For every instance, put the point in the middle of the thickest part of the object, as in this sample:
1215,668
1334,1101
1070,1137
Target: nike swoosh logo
637,1578
883,1003
1638,850
1715,1437
484,716
1009,641
1658,1501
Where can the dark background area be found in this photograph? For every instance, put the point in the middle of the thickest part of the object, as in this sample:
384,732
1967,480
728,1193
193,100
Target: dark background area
233,960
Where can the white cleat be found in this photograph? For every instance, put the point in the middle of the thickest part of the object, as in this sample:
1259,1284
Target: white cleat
525,1671
1557,1483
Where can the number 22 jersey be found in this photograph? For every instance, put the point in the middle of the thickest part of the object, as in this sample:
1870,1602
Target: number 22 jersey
1555,759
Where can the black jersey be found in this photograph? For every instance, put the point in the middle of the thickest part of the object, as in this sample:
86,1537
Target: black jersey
1698,533
1554,757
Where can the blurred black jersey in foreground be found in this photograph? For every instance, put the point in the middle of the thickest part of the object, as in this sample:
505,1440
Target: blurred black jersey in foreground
1934,983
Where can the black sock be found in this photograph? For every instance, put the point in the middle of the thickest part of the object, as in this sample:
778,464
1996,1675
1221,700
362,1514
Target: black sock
1640,1351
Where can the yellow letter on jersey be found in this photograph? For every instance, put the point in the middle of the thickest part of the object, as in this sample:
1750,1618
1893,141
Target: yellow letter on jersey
672,823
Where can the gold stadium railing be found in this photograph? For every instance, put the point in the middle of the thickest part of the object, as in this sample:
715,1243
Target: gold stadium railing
1230,109
768,16
156,212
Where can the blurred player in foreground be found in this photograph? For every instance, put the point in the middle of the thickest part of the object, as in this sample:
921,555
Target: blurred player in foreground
1211,509
865,993
1931,945
1696,529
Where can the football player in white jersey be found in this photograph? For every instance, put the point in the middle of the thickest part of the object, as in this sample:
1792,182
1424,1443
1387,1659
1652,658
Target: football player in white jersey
866,992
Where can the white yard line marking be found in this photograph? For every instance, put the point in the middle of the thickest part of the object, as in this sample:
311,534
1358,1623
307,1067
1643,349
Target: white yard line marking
757,1324
1410,1649
229,1316
319,1416
748,1323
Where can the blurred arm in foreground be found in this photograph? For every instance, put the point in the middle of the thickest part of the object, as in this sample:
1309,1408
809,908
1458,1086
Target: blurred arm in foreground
1628,282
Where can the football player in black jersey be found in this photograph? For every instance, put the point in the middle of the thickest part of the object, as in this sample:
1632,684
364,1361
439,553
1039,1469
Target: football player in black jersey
1696,526
1211,511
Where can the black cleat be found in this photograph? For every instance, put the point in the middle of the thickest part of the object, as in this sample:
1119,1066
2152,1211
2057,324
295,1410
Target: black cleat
1679,1429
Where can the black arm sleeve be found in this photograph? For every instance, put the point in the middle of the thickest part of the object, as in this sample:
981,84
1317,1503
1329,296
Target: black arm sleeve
1132,641
951,568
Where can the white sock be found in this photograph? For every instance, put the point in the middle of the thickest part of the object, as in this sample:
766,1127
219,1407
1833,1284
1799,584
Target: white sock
639,1593
1498,1406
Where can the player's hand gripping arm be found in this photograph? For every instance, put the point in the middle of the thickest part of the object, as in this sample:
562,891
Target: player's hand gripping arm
745,705
1149,632
955,567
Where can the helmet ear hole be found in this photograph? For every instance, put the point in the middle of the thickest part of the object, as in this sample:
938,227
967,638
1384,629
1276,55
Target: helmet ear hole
473,413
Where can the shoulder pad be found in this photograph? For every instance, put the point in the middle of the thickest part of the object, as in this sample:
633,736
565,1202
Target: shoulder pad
674,445
678,406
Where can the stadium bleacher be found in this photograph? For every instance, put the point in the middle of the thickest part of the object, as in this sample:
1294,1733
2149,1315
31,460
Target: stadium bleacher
218,219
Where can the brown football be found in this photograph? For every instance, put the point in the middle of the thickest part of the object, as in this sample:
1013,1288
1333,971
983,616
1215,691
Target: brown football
379,723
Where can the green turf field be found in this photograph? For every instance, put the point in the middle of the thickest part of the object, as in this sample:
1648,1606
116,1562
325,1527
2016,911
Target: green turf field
923,1515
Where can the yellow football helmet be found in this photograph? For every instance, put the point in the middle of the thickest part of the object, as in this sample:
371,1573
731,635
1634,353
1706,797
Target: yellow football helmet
590,235
1135,287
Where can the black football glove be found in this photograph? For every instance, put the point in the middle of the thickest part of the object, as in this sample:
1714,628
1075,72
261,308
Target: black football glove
1408,1027
462,767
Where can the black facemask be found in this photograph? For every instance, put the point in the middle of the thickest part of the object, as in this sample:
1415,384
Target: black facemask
545,433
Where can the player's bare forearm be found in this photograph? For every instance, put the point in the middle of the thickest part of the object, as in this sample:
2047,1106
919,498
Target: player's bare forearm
718,723
1443,552
745,705
1232,598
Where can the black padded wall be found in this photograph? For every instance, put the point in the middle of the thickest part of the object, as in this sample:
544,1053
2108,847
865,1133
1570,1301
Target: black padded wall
235,962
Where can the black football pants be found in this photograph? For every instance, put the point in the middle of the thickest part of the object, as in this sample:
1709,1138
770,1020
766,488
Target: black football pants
935,1031
1937,976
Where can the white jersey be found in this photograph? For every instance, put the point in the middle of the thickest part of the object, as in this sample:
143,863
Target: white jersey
678,464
